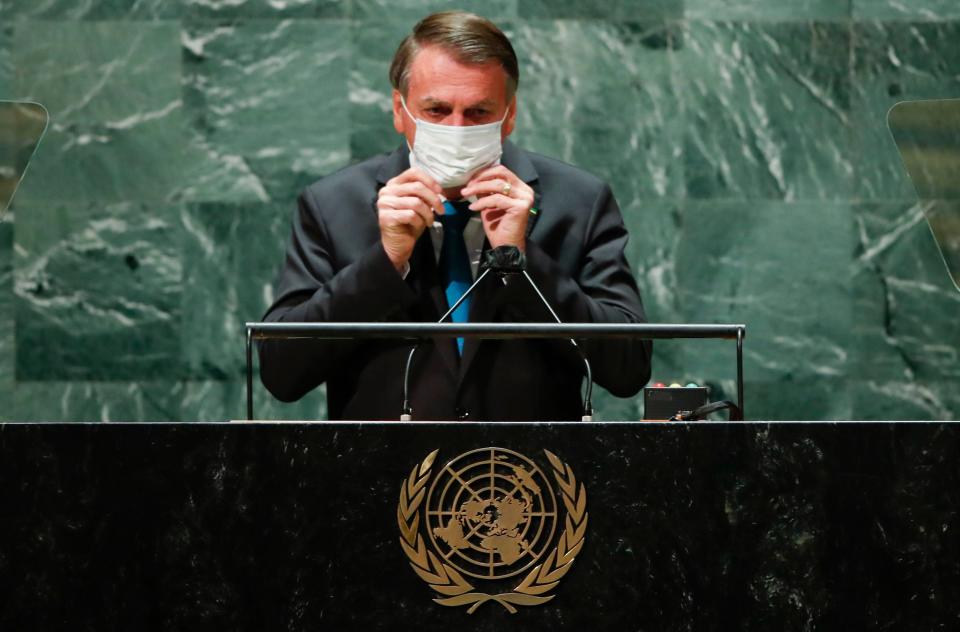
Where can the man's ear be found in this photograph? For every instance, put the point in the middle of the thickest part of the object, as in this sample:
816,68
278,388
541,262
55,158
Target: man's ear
399,116
510,122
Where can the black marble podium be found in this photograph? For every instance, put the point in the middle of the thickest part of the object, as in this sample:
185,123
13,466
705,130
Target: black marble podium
272,526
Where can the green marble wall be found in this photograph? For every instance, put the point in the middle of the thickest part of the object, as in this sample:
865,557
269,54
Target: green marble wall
744,139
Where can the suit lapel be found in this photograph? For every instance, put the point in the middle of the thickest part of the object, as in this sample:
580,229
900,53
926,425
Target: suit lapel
394,164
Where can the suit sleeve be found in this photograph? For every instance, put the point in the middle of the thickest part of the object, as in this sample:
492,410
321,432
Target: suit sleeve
311,289
602,291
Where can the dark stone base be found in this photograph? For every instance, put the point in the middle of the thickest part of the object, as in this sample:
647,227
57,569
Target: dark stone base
293,527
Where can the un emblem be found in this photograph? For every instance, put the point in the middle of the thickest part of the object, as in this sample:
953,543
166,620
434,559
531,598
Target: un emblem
491,515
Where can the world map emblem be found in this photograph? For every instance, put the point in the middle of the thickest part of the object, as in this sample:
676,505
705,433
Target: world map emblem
491,518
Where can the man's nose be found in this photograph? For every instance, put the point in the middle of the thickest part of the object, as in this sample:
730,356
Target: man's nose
456,118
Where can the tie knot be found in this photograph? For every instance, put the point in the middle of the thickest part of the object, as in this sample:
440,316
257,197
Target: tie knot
456,217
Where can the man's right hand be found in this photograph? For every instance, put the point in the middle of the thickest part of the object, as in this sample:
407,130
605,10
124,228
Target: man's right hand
405,206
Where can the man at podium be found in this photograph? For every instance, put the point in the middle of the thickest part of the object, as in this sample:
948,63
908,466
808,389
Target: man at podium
401,236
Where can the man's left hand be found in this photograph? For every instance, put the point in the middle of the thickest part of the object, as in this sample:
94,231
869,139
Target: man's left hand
504,204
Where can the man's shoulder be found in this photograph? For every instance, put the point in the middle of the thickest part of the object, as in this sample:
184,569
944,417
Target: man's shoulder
565,186
563,174
361,177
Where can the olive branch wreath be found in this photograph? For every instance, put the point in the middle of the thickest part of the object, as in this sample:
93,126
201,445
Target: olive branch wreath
446,580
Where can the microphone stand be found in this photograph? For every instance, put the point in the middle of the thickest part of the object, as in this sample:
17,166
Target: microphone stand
407,412
588,396
503,260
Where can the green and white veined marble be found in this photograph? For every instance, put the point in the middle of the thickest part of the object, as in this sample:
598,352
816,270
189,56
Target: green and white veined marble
745,141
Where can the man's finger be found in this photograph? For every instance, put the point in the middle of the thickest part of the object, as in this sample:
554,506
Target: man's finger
412,203
485,187
415,175
497,200
496,171
402,218
400,202
417,189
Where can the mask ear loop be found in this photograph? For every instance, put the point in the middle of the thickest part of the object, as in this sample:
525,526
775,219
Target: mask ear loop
404,104
505,114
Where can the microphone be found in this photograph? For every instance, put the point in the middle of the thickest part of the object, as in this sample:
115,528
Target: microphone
502,260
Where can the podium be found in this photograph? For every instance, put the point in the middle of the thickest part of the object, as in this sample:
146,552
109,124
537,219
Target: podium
297,526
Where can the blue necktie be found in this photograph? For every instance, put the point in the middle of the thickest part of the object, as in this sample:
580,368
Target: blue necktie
455,262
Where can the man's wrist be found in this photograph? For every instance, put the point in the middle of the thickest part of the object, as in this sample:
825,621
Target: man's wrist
401,264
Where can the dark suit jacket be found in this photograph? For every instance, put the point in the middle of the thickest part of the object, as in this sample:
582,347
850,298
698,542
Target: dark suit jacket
337,270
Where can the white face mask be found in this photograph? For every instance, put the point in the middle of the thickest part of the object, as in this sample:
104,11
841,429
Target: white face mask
451,154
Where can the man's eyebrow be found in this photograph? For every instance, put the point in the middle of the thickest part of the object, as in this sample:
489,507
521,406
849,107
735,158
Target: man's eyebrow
428,101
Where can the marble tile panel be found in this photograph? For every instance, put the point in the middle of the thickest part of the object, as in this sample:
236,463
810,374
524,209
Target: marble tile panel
906,327
788,398
782,269
6,62
283,9
222,400
91,9
905,400
638,163
266,103
373,44
7,364
410,12
602,9
113,94
932,10
98,292
582,74
232,255
108,72
610,109
89,163
893,62
655,229
767,110
78,400
767,9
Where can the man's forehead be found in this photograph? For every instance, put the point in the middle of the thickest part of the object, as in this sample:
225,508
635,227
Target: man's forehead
437,73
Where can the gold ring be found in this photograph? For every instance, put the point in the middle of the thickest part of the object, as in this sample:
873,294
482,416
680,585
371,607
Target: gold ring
506,188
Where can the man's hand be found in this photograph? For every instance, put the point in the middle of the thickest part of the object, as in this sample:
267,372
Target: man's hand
405,207
504,204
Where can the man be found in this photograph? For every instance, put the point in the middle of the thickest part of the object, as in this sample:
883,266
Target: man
399,237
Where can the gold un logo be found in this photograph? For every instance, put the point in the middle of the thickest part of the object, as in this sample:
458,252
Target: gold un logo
491,518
